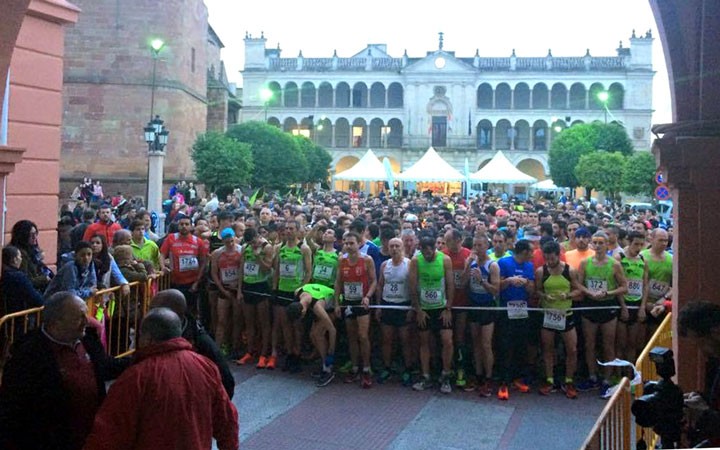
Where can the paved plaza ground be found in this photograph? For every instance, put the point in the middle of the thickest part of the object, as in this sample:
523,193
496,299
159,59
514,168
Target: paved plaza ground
282,411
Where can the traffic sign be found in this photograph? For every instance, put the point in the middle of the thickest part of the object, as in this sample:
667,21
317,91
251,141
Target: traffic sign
662,192
659,178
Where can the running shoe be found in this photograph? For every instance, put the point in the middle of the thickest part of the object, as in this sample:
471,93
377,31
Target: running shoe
262,362
225,350
325,379
352,377
460,380
470,385
503,392
484,390
406,379
445,386
546,389
520,385
317,373
606,390
424,383
366,382
588,385
570,391
383,376
245,359
345,368
271,363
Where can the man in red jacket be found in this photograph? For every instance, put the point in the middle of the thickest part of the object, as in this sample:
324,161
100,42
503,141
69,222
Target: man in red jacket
169,387
104,226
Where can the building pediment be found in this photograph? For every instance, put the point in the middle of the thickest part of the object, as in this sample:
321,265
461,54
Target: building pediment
439,62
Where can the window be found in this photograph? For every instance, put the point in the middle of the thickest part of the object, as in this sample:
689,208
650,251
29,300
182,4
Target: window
439,131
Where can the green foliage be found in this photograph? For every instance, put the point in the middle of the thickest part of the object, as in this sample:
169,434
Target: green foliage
318,160
279,162
639,175
221,163
601,171
571,144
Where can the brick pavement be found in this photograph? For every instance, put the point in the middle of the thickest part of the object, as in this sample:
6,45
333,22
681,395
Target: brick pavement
281,411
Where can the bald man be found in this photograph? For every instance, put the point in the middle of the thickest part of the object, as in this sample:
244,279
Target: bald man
194,332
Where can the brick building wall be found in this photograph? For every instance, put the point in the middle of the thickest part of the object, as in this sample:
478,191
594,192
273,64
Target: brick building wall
108,84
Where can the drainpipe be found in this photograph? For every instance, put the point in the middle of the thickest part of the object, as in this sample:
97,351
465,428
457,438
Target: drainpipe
3,141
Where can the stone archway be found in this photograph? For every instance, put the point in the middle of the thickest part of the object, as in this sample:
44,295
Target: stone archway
532,167
342,165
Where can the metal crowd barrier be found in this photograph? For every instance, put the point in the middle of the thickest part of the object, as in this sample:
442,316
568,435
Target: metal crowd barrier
612,431
661,338
14,325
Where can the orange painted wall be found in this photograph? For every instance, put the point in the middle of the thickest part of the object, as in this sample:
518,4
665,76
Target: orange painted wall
35,118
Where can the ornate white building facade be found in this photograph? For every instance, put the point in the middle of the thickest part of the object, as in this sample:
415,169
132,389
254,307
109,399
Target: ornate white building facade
465,107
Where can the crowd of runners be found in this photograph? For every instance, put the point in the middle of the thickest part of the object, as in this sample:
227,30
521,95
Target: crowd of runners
492,295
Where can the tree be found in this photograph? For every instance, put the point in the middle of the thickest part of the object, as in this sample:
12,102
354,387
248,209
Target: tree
602,171
221,163
639,175
279,162
318,160
578,140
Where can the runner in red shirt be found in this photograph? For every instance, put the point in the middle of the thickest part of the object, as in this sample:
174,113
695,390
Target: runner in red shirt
188,256
458,255
225,272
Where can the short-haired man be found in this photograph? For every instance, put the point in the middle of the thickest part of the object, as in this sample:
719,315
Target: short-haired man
432,292
631,332
582,250
54,382
144,249
104,226
167,372
458,255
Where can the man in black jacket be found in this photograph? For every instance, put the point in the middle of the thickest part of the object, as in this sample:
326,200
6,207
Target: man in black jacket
194,332
54,381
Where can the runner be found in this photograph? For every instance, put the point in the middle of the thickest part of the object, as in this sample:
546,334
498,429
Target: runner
660,266
631,332
393,289
432,291
225,273
500,246
516,287
582,251
356,283
292,269
557,287
458,256
602,282
218,222
484,285
254,294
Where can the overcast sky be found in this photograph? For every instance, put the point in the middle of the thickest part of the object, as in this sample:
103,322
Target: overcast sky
530,27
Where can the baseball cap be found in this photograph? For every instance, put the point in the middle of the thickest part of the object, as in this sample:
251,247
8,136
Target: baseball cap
227,233
582,232
411,218
532,234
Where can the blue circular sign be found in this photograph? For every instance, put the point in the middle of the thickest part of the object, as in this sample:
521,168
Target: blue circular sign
662,192
659,179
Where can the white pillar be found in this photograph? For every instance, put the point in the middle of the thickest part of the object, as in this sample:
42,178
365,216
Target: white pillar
155,187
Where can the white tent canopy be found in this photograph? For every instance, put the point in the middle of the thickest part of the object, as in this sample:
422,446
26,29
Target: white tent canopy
431,167
369,168
501,171
546,185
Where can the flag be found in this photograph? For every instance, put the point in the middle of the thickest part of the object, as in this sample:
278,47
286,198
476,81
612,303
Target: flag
255,196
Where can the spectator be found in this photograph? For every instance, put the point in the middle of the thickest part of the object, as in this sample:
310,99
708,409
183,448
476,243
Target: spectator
104,226
106,269
16,290
131,270
78,231
54,382
77,277
25,238
167,373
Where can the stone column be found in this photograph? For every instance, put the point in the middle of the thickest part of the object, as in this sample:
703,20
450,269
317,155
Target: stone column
691,166
531,138
587,99
512,99
493,137
155,185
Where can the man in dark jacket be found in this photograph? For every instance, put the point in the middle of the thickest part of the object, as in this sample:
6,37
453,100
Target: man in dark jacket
54,382
194,332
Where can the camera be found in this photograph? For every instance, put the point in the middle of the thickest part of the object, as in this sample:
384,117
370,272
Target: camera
661,405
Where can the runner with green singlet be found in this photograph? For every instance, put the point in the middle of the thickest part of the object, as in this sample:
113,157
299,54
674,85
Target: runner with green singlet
660,266
557,285
292,269
630,332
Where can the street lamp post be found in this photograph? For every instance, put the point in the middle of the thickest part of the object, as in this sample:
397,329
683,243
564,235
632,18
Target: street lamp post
156,137
155,46
603,96
266,95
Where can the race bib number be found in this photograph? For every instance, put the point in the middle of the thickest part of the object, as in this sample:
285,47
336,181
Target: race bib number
395,289
251,269
596,284
658,288
353,291
554,319
229,274
457,278
517,309
476,284
287,270
635,288
322,272
431,296
188,263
